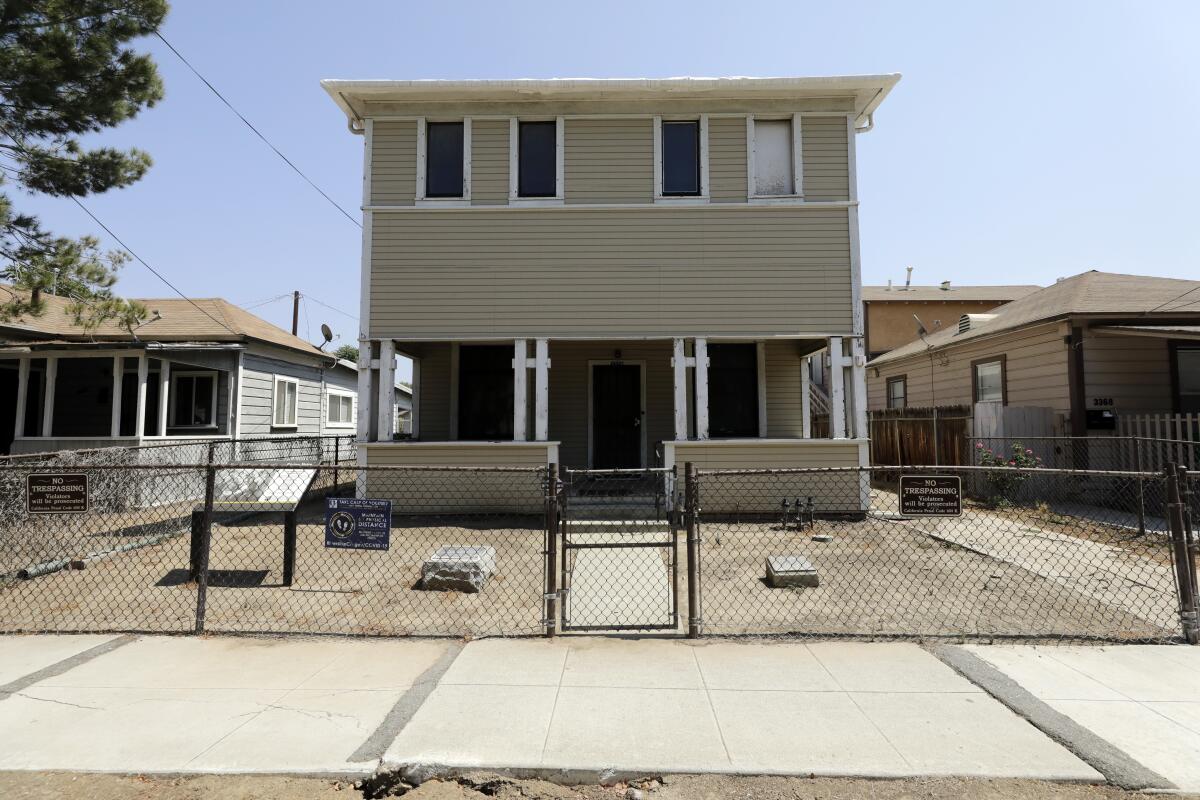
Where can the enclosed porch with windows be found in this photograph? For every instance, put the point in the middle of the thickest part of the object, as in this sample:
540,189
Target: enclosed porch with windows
622,404
57,399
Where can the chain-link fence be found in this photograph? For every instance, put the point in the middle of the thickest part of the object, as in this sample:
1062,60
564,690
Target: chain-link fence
254,547
1033,555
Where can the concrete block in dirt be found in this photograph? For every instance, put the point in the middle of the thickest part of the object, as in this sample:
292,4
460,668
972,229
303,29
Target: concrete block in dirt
791,570
458,568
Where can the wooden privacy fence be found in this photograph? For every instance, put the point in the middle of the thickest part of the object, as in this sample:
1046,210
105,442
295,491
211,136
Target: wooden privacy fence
920,436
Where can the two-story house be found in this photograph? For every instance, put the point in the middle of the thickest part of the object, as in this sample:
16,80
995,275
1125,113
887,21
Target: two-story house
612,273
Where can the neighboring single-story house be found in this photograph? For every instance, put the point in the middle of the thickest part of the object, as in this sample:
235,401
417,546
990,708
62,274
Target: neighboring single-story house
195,369
1097,349
891,313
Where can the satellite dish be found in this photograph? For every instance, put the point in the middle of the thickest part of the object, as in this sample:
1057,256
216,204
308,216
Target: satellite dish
328,334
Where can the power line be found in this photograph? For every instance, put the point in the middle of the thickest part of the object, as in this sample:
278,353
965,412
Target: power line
128,249
257,133
257,303
331,308
145,264
1174,299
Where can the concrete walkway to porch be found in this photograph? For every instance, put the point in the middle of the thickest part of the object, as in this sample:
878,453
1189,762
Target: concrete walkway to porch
585,708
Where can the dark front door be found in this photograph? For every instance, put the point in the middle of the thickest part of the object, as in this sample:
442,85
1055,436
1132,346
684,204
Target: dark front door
616,416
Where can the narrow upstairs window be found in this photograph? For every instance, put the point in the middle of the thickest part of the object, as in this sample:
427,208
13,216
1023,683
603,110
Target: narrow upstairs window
537,159
681,159
444,159
773,167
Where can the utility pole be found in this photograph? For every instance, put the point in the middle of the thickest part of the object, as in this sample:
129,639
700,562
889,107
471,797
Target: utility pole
295,311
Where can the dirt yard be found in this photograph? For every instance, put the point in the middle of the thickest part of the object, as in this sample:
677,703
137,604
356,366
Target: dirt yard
333,591
53,786
987,574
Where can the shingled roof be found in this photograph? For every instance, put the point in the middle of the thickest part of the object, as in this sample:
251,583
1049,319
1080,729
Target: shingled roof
925,294
207,319
1091,293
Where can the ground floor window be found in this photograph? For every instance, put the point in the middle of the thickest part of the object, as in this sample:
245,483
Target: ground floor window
988,377
287,397
339,410
897,391
485,392
193,398
733,390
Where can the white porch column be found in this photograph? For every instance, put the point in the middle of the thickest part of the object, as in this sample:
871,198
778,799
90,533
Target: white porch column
143,374
117,381
520,389
386,413
48,401
806,397
701,377
22,394
415,416
541,390
164,395
837,391
364,390
858,381
679,363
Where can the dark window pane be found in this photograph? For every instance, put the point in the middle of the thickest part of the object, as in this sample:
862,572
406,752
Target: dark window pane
444,159
732,390
537,159
681,158
485,392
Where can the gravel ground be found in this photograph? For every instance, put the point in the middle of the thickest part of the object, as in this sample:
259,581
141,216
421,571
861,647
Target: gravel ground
53,786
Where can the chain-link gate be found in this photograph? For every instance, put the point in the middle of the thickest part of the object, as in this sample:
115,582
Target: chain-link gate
619,533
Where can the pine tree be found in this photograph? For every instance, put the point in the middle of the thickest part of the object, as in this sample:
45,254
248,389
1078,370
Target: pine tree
66,71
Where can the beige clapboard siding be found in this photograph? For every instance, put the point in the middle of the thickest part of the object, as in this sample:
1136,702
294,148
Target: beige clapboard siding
762,494
570,387
1133,371
676,271
727,159
489,161
608,161
1036,371
394,163
435,492
825,158
434,394
784,418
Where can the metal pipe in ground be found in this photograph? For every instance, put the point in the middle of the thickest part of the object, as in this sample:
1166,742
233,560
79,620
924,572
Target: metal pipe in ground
691,510
289,547
1185,567
551,538
210,484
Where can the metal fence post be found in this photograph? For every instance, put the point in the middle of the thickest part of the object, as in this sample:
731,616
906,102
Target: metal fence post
691,506
289,546
1189,535
936,457
1137,455
210,484
337,456
1185,566
551,526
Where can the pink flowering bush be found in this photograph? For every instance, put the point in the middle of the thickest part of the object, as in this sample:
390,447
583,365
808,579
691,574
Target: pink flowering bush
1003,484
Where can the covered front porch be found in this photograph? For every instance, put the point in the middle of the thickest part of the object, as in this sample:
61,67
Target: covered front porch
81,398
621,404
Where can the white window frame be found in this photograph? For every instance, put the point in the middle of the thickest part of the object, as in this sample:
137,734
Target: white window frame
514,162
797,161
173,393
683,200
423,166
275,381
330,393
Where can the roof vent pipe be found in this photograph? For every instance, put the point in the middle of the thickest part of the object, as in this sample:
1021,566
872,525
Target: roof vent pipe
889,284
908,278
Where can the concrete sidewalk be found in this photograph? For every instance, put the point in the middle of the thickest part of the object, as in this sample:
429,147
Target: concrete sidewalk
569,707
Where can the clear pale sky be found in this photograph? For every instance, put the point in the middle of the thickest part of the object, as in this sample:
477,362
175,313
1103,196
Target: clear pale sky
1026,141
